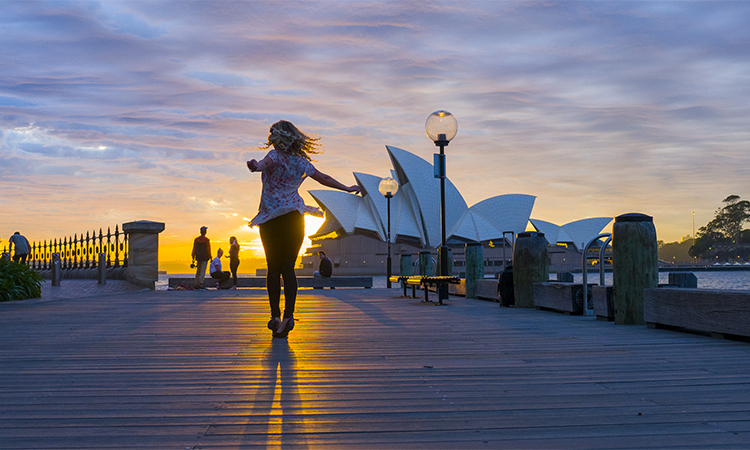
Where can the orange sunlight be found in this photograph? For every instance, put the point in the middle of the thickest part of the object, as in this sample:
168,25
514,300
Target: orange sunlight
174,250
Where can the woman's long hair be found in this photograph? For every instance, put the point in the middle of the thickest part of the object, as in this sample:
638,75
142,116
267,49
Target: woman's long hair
284,136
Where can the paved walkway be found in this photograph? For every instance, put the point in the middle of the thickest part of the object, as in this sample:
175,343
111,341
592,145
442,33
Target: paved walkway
84,288
362,369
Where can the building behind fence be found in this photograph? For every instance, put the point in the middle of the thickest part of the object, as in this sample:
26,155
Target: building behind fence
130,253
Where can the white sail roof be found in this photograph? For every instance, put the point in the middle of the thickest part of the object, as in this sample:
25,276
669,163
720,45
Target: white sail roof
578,232
582,231
341,205
420,174
549,229
415,209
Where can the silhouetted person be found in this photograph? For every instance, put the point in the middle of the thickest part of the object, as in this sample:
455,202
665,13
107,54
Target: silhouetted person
234,259
201,257
215,270
325,268
22,247
281,213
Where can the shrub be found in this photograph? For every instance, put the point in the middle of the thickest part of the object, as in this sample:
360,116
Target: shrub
18,282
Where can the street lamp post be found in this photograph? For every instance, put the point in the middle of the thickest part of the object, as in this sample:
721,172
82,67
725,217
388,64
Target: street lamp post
694,258
441,128
388,187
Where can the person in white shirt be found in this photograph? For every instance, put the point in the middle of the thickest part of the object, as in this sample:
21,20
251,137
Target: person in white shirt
216,272
22,247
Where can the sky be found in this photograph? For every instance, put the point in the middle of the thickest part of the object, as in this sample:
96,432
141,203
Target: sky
146,110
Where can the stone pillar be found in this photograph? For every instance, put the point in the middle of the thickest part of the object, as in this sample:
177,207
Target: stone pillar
406,267
425,263
530,265
474,267
635,265
143,252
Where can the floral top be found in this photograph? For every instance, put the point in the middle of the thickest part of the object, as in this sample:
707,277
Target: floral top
280,184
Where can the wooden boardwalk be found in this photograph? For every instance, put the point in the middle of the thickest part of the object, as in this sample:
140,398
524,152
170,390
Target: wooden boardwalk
362,369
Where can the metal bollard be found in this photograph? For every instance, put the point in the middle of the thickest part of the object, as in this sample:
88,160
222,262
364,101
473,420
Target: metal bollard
56,269
530,265
474,267
635,265
102,269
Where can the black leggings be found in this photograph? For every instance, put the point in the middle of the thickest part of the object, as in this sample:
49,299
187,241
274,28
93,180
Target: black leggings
233,265
282,238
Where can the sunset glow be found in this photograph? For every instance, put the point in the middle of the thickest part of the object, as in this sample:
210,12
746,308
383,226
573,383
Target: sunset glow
118,111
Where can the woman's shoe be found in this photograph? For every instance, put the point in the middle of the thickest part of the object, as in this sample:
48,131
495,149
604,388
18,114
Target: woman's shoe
282,333
273,324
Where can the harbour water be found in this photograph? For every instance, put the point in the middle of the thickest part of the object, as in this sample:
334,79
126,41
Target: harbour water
732,280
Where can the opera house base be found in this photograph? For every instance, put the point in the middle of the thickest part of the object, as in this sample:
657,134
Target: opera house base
358,255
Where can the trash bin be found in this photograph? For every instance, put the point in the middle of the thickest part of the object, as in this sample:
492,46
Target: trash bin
505,287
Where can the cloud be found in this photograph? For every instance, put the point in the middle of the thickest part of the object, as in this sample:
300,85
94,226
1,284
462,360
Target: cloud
594,107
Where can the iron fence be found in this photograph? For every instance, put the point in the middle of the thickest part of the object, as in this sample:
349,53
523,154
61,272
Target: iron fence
79,252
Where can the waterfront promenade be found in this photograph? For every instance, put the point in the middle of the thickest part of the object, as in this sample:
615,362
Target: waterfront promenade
362,369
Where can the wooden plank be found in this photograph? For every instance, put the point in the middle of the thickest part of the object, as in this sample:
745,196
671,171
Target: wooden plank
487,290
601,297
198,369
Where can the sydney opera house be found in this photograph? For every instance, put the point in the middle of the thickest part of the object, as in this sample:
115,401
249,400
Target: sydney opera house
355,229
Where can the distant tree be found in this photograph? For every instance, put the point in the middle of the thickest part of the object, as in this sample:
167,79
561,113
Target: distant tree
675,252
731,217
725,229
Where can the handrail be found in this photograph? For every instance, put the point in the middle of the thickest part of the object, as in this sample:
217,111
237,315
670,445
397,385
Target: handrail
601,260
415,265
585,305
512,243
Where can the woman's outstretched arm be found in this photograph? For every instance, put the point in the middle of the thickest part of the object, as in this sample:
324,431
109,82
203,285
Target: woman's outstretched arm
260,166
327,180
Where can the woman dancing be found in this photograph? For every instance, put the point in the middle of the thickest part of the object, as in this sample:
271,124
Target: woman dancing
281,213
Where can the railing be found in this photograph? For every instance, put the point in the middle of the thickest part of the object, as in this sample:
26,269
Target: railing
79,252
586,310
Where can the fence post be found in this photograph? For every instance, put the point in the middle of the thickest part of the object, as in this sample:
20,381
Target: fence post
102,269
56,269
635,265
530,265
143,252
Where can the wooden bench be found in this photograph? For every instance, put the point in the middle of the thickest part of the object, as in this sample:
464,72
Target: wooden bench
303,282
718,313
334,282
566,298
425,282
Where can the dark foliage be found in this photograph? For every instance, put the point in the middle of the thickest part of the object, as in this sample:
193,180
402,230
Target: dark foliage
18,281
723,237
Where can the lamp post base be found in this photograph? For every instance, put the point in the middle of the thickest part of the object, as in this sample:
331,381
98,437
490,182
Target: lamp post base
443,271
388,272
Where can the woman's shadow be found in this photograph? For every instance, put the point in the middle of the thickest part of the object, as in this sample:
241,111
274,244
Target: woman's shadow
277,399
